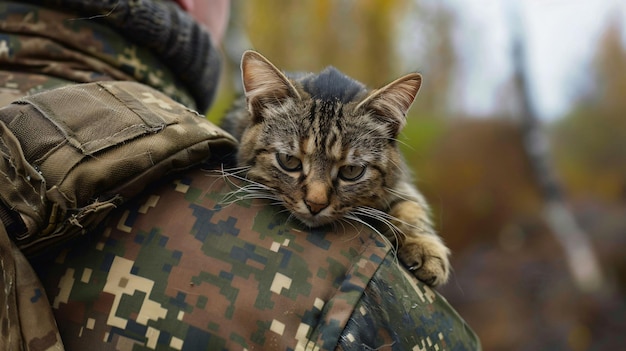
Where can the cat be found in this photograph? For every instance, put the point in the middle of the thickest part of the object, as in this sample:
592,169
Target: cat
326,148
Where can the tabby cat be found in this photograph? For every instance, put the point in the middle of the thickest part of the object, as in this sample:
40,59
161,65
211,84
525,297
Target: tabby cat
325,147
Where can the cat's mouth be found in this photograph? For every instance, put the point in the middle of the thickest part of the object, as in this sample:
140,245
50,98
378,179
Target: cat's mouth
304,215
314,221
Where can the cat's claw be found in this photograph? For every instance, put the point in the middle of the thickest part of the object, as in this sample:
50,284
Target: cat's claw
426,257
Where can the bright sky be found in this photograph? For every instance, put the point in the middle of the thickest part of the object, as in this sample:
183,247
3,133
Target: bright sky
561,37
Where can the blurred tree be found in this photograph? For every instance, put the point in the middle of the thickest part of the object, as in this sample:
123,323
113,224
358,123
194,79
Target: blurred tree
356,37
590,142
359,38
426,45
581,257
611,72
367,39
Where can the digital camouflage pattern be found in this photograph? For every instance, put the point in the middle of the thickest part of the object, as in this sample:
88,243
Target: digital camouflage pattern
175,268
178,268
41,48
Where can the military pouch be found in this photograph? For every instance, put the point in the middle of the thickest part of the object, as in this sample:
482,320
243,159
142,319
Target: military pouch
70,155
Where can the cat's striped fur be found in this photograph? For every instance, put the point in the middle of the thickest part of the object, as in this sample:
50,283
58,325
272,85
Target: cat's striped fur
325,147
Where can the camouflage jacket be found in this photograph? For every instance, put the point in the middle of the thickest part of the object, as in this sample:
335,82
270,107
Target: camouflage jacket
177,267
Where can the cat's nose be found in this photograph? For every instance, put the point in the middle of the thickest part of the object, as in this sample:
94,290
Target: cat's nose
315,207
316,198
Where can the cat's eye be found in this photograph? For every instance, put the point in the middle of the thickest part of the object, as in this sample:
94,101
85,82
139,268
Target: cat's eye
351,173
288,162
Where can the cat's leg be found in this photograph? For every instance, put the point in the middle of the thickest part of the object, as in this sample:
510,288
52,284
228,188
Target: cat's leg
419,247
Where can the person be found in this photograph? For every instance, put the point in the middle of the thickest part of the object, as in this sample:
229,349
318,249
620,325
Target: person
112,188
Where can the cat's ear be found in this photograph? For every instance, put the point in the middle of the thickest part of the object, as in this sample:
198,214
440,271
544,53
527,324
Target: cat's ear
263,83
392,102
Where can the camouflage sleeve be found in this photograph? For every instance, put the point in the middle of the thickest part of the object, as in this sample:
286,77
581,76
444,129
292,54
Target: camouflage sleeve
400,313
43,48
179,269
26,319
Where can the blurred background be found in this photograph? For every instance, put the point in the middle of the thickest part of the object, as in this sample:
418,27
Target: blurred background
517,138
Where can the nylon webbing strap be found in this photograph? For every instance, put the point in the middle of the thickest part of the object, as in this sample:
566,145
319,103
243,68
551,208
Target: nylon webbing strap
12,221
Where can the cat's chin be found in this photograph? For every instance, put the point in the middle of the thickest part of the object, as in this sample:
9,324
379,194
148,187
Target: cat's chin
314,221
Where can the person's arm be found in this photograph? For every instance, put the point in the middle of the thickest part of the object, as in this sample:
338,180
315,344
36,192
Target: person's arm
183,266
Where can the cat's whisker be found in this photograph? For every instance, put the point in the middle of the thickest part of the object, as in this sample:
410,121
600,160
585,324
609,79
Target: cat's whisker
389,220
365,223
383,237
253,191
344,221
227,178
382,217
398,166
250,186
259,196
232,171
399,194
235,175
250,191
284,210
291,216
405,144
223,174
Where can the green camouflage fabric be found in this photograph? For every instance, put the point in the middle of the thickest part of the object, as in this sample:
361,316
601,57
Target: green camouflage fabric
41,48
177,268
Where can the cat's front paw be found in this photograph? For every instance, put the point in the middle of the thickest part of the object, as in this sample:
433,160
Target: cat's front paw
427,258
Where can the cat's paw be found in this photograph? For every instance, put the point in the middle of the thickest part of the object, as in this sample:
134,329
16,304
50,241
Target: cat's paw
427,258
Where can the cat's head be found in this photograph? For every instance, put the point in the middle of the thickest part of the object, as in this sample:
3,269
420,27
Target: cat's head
323,142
